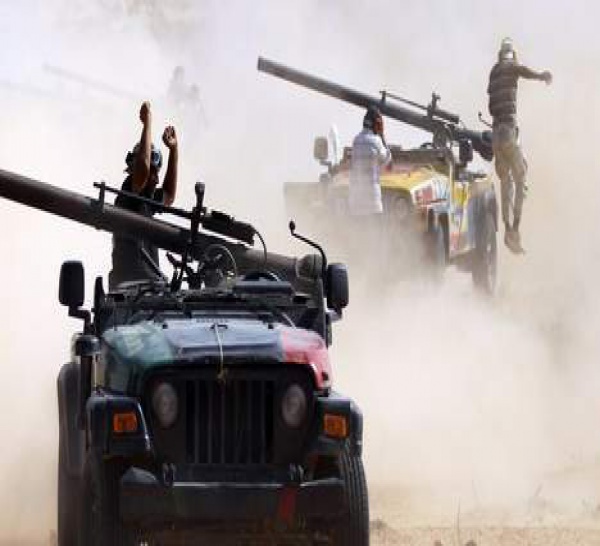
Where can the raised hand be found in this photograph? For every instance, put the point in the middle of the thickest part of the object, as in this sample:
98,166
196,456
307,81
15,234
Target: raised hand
170,137
547,77
145,113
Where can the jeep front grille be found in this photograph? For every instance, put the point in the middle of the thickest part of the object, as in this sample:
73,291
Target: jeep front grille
236,422
229,422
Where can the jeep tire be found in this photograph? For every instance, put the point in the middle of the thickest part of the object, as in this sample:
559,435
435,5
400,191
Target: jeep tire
485,256
354,525
68,482
68,489
100,520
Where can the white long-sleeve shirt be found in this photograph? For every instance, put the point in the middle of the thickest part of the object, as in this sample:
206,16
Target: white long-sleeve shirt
369,154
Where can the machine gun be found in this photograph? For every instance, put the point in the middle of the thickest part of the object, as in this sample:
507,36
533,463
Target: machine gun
444,126
189,243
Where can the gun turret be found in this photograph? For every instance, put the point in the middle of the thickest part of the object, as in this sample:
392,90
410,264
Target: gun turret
103,216
444,126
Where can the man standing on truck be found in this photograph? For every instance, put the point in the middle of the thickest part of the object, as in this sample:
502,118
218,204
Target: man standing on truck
369,154
511,166
143,165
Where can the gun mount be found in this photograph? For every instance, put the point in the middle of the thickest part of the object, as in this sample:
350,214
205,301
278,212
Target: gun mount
103,216
444,126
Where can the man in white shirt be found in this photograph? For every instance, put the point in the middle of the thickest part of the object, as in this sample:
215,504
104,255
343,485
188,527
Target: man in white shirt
369,154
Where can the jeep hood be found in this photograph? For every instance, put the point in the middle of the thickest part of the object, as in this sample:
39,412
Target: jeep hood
130,351
422,182
409,178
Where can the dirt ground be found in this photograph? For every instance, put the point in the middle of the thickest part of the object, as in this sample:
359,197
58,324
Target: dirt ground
399,517
384,535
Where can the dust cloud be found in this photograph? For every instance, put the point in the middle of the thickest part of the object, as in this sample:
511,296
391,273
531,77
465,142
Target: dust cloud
466,401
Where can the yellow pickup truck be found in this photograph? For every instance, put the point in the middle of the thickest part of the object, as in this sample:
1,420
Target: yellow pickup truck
429,196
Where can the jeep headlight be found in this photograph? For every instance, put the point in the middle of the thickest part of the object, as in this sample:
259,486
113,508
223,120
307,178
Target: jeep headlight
165,404
293,406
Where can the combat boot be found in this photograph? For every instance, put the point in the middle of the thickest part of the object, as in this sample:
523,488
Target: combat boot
516,241
512,239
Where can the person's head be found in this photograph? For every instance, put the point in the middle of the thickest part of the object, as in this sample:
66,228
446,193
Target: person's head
507,51
155,163
373,119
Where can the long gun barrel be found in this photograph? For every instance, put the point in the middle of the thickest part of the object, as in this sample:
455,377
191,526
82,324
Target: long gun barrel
102,216
437,125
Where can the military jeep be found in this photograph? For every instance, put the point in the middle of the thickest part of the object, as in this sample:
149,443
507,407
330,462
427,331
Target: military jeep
207,414
200,409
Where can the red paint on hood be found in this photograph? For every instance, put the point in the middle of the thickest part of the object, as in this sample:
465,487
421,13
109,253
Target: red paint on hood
308,348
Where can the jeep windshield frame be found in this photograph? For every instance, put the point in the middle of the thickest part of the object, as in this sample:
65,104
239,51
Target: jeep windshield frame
440,159
291,309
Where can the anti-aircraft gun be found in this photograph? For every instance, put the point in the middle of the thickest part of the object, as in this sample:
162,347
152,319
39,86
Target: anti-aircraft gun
203,412
445,127
426,191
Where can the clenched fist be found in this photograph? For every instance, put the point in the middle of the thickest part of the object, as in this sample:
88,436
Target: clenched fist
145,113
547,77
170,137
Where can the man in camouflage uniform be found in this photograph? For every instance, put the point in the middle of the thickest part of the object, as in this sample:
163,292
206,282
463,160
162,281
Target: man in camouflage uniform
511,166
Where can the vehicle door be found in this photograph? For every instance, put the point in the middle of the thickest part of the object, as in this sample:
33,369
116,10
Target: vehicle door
458,224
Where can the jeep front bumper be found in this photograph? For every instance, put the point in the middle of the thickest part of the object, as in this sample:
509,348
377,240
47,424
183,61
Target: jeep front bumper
145,500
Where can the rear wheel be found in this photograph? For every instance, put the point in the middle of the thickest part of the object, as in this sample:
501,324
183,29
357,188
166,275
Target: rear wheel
485,258
354,526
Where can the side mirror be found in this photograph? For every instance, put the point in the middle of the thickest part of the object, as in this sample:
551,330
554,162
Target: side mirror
321,150
71,285
337,287
465,152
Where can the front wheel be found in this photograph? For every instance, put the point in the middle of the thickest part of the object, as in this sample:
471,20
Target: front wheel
354,526
485,258
436,252
68,498
100,521
69,481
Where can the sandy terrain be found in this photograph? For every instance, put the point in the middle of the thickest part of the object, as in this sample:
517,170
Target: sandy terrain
400,517
383,534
